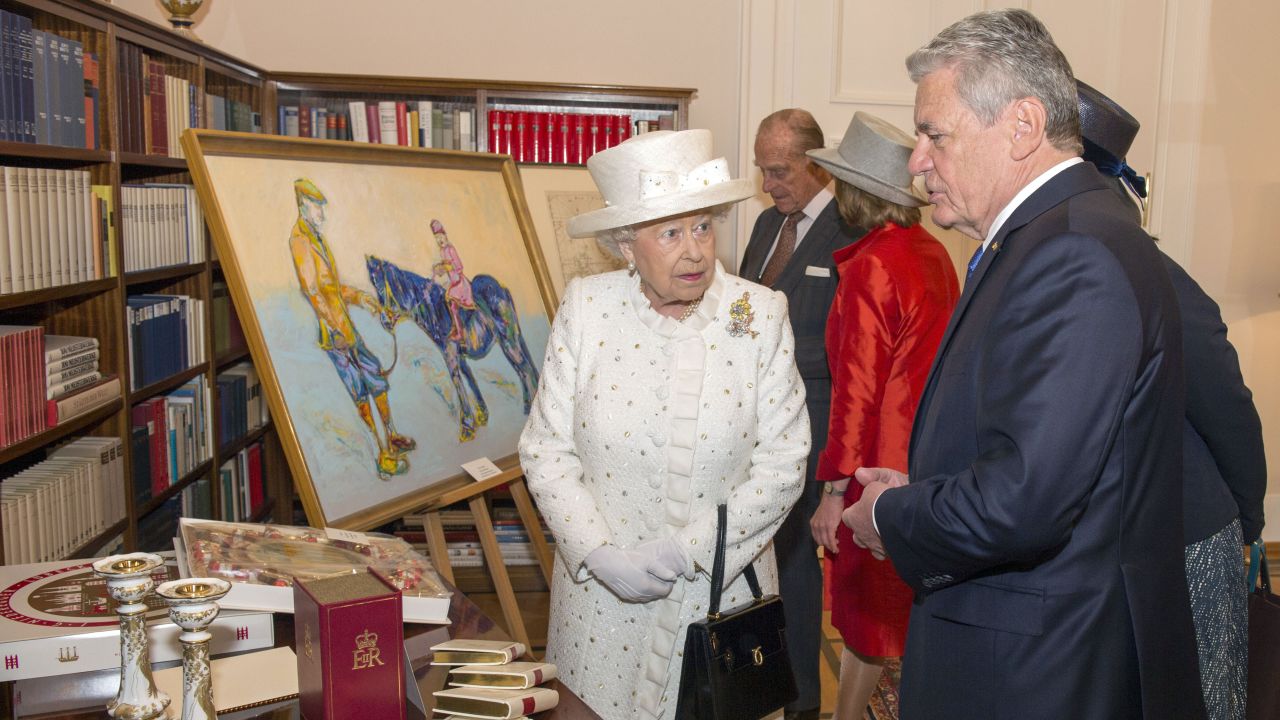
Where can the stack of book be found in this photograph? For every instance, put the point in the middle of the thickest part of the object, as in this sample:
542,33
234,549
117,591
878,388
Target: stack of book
50,509
462,540
156,105
49,93
486,680
166,336
170,437
74,382
54,229
161,226
241,406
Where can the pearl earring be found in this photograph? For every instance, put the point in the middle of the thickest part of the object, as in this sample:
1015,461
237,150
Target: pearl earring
631,267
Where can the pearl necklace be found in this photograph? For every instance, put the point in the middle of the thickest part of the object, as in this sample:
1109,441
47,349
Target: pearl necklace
689,310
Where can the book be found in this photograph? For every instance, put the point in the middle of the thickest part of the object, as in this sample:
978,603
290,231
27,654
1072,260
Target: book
59,621
57,347
350,644
55,390
476,652
303,552
500,704
82,400
520,675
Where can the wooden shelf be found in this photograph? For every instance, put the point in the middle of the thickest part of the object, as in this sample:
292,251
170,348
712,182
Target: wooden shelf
60,292
171,272
87,549
56,433
151,161
169,383
524,578
67,155
156,501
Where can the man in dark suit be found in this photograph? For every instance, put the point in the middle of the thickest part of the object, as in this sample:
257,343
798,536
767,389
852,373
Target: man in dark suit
790,250
1042,527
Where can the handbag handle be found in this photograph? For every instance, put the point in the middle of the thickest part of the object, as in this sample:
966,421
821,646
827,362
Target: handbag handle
1258,565
717,567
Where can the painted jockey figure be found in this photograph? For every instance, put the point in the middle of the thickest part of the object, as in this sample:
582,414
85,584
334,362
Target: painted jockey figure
458,294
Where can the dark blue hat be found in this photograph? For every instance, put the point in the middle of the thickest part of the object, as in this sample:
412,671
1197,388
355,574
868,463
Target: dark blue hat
1107,131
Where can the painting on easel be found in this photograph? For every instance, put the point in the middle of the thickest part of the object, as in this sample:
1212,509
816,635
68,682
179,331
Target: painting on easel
396,306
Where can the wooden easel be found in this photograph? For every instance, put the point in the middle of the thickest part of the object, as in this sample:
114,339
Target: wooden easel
474,495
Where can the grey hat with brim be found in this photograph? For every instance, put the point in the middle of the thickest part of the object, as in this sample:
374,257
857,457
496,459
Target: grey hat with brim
872,156
657,175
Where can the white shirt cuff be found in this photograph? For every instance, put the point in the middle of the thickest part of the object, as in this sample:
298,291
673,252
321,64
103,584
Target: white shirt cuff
875,524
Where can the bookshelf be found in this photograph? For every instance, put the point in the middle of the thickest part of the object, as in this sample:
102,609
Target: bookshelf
131,149
291,95
140,65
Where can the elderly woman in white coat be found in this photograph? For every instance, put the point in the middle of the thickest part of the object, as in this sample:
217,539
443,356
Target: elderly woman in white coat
668,388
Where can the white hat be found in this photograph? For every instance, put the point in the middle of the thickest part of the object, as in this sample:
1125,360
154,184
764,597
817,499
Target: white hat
656,175
873,156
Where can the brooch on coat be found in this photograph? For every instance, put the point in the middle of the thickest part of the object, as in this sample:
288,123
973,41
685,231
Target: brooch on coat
740,316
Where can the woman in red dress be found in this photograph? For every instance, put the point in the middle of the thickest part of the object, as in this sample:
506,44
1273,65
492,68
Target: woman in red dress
897,290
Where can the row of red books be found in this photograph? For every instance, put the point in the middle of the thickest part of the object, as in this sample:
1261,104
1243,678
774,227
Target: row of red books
559,138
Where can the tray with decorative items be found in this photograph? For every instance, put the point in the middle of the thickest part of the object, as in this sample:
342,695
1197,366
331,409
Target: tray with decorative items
261,561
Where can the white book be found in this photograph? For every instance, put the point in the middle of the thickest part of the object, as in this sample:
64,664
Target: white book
20,252
12,252
424,123
67,592
6,272
42,237
57,347
387,122
52,378
58,207
57,390
359,121
78,206
465,139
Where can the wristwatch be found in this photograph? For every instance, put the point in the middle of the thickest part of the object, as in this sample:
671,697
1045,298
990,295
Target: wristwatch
830,489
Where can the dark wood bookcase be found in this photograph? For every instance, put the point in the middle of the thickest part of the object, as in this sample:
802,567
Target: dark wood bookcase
98,307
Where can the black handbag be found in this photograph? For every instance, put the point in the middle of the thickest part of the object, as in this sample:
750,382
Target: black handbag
736,665
1264,641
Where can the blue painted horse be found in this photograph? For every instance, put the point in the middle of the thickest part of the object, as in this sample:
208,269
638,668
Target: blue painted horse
406,294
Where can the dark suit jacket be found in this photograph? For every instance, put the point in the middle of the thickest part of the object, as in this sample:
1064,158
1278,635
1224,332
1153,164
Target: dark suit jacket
1042,529
1224,465
809,300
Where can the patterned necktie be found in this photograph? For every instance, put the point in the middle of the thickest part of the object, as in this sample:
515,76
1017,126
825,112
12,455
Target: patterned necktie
781,253
973,262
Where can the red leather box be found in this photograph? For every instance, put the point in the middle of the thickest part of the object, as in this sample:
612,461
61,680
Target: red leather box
350,642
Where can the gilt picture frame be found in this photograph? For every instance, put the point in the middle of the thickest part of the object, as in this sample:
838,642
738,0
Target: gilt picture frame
396,306
555,194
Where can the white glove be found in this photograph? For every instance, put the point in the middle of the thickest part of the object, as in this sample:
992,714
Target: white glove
666,559
625,573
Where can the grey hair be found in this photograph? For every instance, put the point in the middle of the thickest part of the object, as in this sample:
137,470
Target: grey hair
1001,56
806,134
613,237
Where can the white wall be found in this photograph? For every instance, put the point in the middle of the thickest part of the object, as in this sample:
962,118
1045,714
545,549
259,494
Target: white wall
667,43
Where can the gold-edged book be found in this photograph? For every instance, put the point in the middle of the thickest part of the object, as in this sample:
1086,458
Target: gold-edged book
519,675
495,703
475,652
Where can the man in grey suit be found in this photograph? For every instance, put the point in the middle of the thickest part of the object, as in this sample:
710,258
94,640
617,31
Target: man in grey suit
790,251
